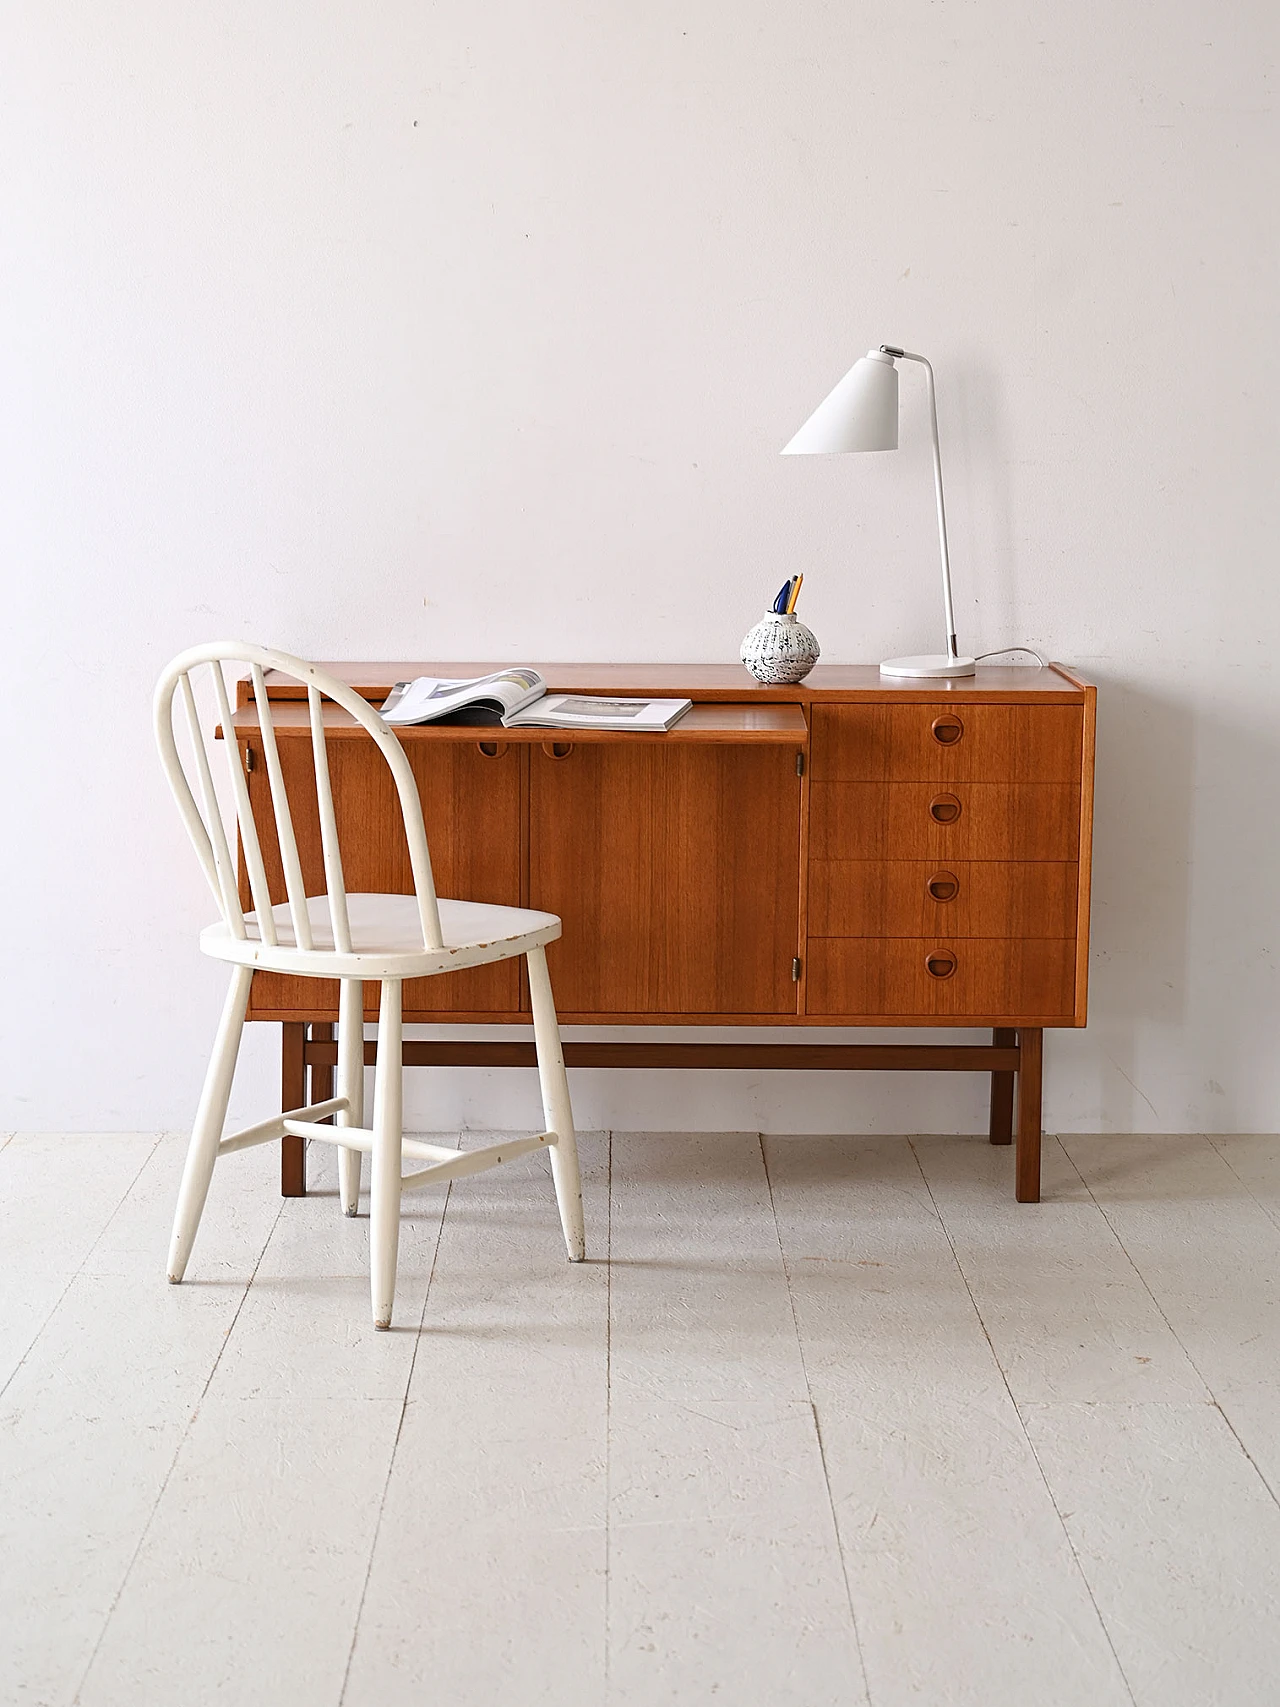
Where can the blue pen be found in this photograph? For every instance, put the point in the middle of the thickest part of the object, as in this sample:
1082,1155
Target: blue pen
780,603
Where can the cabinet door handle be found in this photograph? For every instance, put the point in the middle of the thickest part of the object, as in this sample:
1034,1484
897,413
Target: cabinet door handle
557,749
943,886
940,963
493,749
944,808
947,729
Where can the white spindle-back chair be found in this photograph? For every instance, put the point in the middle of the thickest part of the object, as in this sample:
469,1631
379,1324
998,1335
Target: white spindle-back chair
351,937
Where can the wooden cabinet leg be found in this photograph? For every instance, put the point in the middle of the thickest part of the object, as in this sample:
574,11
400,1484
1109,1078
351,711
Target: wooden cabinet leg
1030,1070
1002,1091
293,1094
321,1077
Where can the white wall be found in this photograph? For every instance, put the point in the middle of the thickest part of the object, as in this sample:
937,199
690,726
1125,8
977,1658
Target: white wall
452,330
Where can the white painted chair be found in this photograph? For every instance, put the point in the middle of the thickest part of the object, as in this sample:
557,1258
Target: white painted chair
351,938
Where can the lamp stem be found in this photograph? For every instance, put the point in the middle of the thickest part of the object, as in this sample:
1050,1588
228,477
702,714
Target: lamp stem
953,650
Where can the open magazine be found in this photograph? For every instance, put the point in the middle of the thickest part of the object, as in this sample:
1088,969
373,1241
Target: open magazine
518,698
479,699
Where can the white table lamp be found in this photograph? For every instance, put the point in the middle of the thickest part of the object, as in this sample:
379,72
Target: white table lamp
862,414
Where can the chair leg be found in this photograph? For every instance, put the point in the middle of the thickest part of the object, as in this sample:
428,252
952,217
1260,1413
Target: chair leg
351,1086
206,1134
384,1196
557,1108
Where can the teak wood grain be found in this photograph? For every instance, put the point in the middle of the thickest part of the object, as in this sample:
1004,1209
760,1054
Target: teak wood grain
995,821
735,725
1086,848
1000,1125
472,806
1030,1083
690,868
944,742
993,684
995,980
676,873
736,1057
956,897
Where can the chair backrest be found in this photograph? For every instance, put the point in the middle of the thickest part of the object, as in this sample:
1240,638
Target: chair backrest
203,817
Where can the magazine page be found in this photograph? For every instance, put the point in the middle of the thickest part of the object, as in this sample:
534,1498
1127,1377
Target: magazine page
594,711
428,698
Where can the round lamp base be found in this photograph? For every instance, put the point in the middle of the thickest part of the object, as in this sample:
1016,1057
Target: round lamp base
932,664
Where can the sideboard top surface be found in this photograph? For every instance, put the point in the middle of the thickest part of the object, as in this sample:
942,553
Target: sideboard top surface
711,682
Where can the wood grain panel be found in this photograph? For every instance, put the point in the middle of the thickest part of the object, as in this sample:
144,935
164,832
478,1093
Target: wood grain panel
891,820
869,978
676,872
471,805
979,743
992,898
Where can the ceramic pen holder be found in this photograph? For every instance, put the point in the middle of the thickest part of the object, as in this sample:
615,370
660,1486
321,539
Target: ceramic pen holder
780,649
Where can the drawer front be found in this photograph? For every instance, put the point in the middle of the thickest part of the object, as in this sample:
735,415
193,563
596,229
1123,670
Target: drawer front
945,742
920,820
906,978
939,899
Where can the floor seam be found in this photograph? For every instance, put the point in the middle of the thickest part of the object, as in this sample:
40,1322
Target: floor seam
608,1402
1264,1207
817,1425
192,1414
1160,1310
80,1267
395,1446
1017,1411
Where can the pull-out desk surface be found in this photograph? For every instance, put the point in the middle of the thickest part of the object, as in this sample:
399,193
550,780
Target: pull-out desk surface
702,723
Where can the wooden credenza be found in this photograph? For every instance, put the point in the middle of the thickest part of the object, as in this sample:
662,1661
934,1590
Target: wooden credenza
846,852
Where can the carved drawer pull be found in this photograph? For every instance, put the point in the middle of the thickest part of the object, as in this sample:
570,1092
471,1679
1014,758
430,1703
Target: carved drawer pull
944,808
493,749
940,963
947,729
557,749
943,886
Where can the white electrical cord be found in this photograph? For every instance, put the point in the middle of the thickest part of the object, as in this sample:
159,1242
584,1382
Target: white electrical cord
1001,651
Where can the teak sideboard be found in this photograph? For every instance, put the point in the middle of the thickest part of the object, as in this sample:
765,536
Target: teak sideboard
845,852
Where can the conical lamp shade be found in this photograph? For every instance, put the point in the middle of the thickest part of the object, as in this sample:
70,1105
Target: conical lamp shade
860,414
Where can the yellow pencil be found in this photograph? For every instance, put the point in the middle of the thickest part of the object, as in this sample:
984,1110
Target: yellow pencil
795,594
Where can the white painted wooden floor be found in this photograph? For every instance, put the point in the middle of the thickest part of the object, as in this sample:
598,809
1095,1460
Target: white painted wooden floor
836,1422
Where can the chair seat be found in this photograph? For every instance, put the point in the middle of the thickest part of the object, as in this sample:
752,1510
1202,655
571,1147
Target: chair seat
386,938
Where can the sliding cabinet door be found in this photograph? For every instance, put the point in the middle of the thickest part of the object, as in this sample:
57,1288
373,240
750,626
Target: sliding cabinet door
471,804
676,872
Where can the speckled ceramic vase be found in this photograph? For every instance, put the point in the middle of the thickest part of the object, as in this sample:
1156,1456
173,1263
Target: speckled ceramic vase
780,649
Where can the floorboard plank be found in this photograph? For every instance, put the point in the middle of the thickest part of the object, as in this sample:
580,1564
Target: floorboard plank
487,1582
247,1585
1066,1312
306,1329
725,1573
1180,1543
1210,1254
57,1194
1254,1158
964,1584
93,1420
